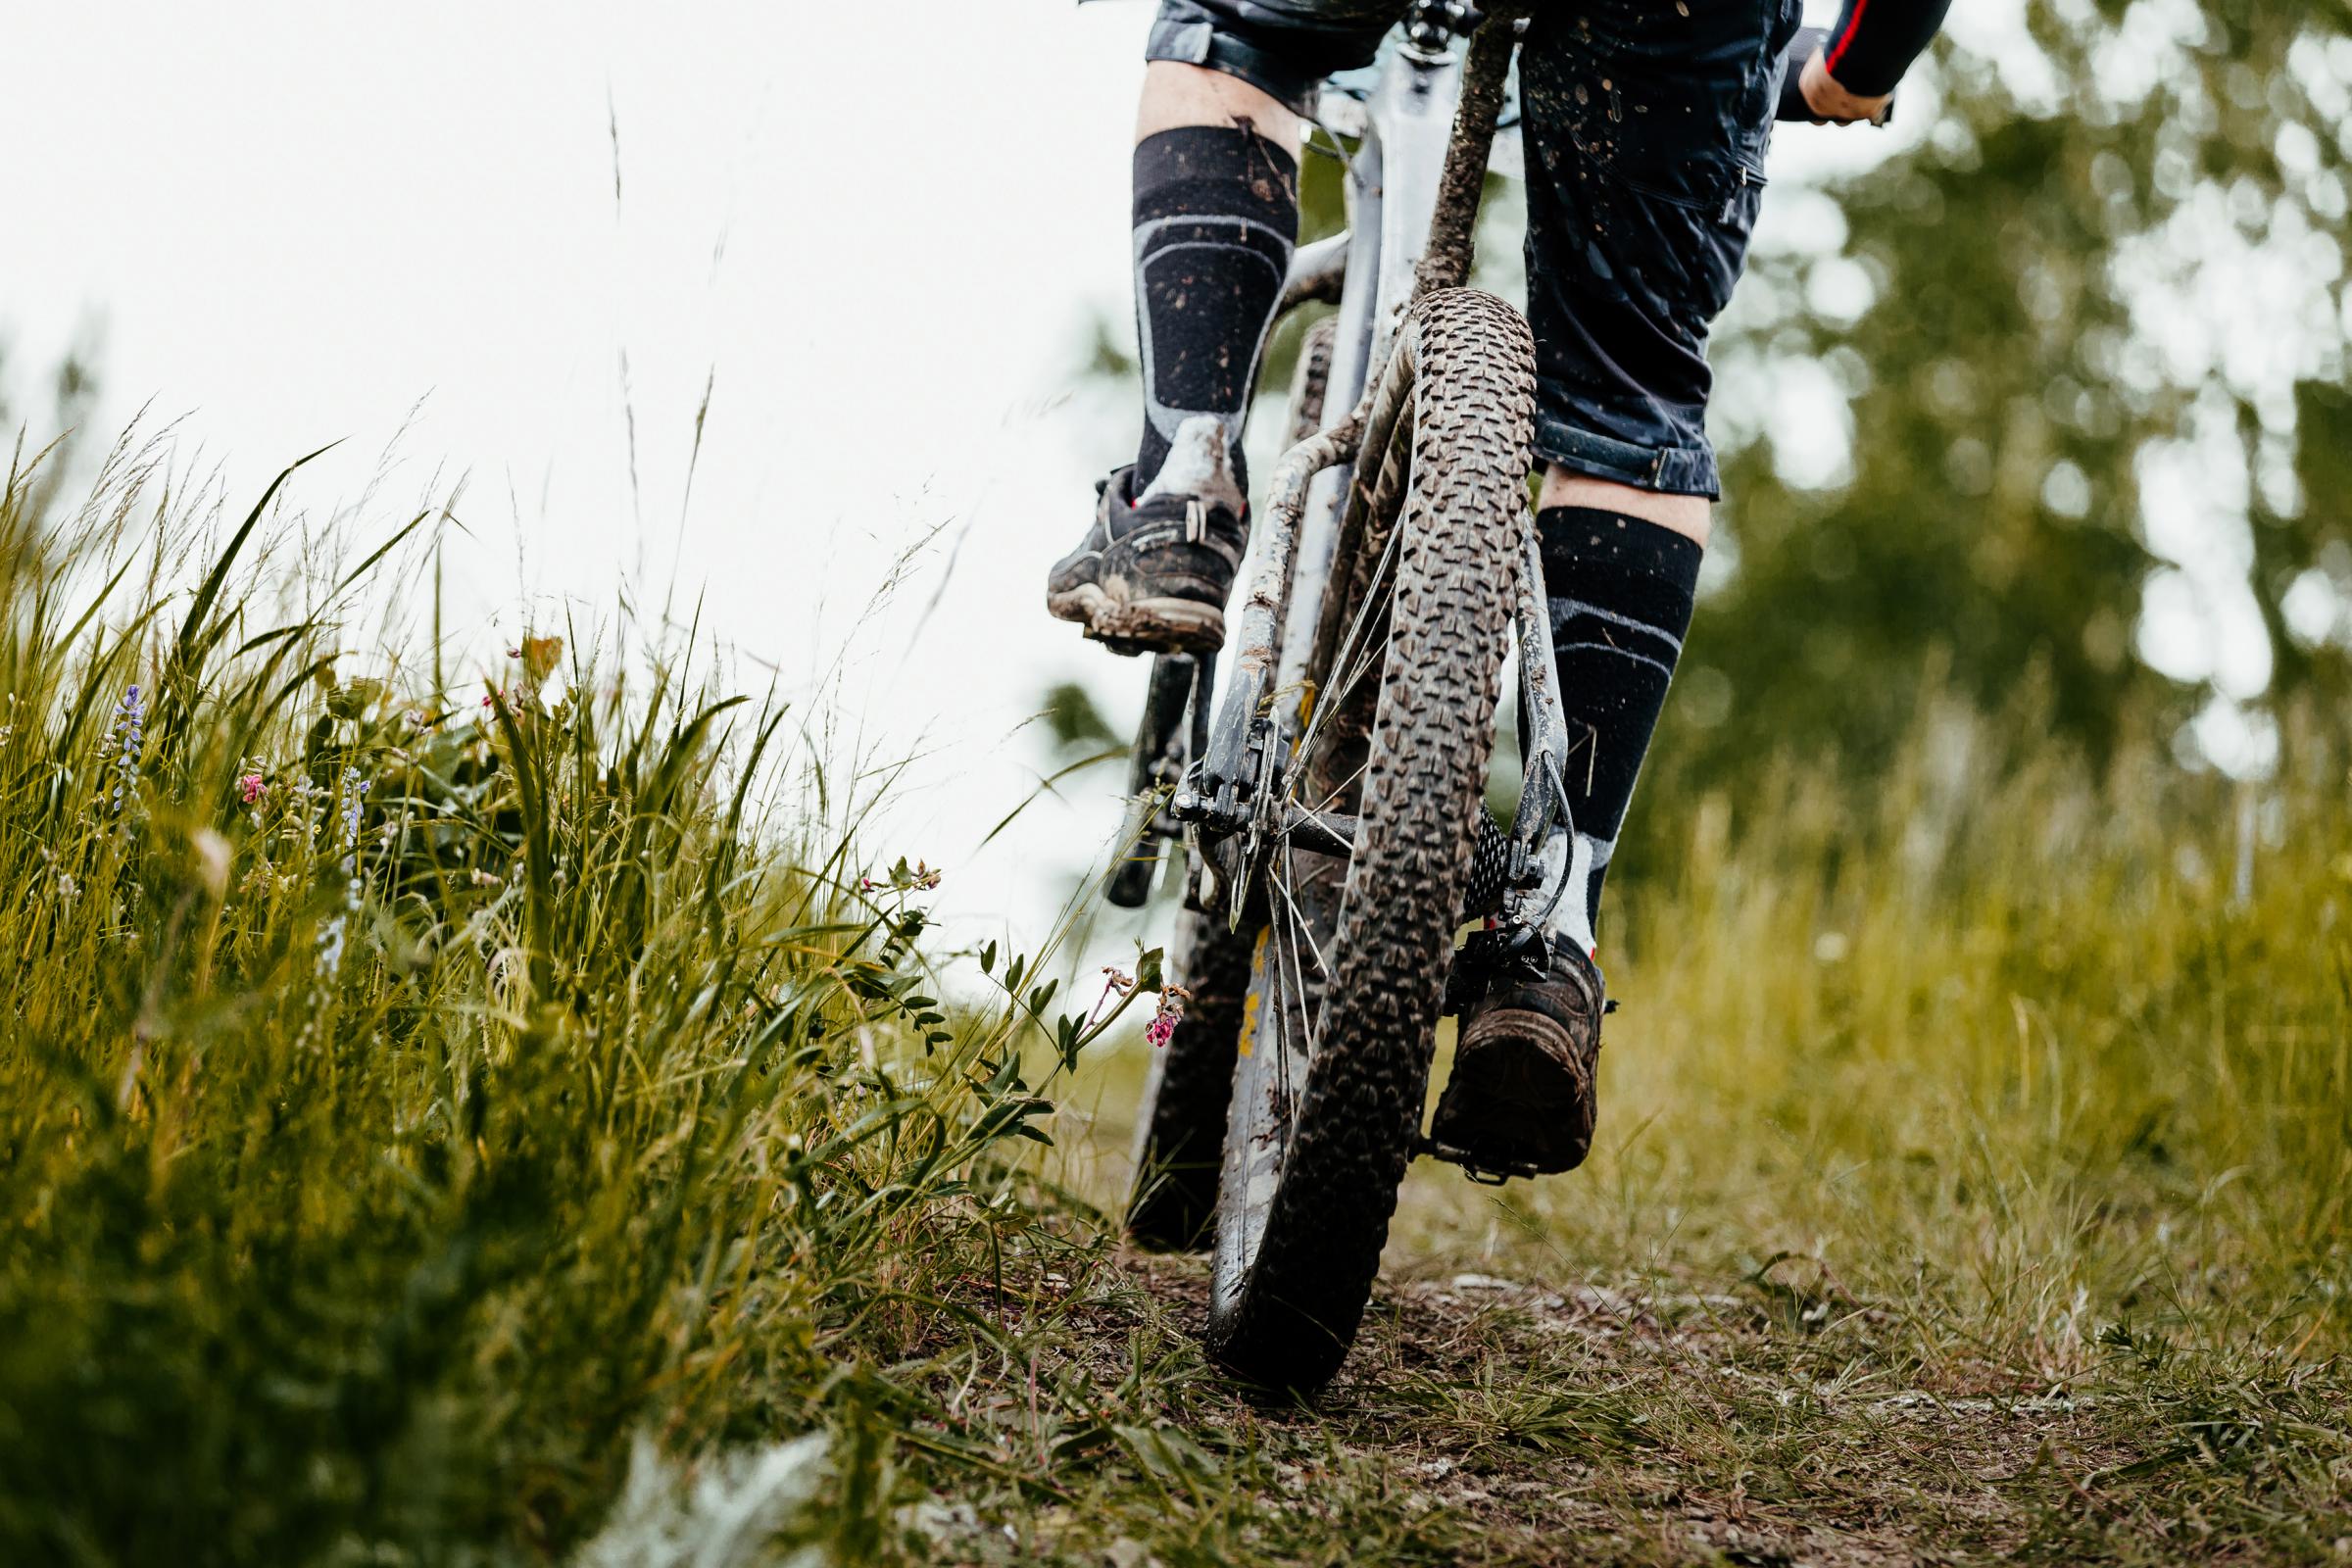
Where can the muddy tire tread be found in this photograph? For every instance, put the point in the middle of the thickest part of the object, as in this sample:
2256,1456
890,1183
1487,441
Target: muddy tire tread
1291,1321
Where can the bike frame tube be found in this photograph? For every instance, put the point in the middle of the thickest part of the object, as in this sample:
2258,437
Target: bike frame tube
1392,193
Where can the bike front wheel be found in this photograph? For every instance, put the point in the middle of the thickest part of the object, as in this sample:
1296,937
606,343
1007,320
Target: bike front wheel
1397,724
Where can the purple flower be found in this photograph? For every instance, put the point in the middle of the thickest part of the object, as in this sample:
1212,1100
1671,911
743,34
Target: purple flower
124,738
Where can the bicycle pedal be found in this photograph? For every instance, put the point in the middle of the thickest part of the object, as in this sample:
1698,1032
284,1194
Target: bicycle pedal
1466,1162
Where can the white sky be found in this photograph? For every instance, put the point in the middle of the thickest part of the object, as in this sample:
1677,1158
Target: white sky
883,230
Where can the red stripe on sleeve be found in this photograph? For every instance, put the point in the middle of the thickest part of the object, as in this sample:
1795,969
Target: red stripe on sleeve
1853,23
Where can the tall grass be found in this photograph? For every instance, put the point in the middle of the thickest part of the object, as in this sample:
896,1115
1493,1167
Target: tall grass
2067,1048
408,1095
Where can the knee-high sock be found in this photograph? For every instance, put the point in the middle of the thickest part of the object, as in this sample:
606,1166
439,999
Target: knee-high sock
1621,590
1216,217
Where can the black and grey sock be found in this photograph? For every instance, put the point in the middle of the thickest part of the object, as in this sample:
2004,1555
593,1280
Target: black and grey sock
1216,218
1621,591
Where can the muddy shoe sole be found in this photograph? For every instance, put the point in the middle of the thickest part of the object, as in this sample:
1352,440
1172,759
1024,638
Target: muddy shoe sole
1165,625
1514,1104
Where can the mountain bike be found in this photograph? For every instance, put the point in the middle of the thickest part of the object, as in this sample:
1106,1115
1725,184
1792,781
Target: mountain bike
1330,800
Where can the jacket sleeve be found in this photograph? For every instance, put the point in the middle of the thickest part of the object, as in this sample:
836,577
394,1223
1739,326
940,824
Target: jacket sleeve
1875,43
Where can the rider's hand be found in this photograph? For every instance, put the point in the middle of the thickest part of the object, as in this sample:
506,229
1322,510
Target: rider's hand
1834,102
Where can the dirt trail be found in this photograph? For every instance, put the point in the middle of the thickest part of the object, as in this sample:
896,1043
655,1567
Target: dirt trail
1599,1425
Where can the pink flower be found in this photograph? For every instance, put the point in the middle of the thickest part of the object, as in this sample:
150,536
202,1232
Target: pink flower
1162,1027
251,788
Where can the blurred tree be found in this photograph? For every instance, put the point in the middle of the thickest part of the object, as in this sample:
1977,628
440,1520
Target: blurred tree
2090,332
53,440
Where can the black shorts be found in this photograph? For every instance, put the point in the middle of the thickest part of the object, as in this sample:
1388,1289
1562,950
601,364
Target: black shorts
1647,127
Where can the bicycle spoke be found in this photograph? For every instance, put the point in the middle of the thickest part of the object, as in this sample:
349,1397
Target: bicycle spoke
1357,653
1354,650
1282,884
1292,1092
1361,652
1343,787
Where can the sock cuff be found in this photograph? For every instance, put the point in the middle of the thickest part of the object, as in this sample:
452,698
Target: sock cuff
1230,171
1625,565
1579,538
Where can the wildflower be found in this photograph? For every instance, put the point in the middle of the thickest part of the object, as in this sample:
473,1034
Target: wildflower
124,738
915,878
251,788
1162,1027
355,790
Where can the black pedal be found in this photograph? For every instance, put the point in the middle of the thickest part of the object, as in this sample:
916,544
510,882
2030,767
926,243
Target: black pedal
1446,1154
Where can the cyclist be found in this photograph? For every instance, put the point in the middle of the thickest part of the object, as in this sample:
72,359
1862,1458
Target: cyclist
1646,123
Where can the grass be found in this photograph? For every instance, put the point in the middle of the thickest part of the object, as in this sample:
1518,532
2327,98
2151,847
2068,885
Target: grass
554,1151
